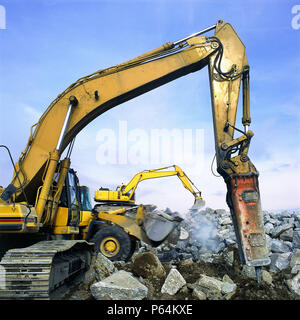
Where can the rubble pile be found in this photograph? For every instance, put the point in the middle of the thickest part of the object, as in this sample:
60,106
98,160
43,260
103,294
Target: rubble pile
203,265
211,232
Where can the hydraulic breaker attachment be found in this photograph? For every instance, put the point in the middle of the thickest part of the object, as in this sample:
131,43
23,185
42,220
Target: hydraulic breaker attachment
243,199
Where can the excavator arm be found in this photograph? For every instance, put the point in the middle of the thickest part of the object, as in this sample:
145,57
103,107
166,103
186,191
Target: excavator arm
160,173
90,96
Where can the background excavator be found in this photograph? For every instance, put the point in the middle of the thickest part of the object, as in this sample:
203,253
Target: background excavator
125,193
30,207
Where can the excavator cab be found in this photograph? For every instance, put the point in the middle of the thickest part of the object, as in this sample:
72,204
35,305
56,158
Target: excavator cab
85,198
68,212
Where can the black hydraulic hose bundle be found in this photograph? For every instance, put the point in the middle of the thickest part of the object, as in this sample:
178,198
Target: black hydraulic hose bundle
17,176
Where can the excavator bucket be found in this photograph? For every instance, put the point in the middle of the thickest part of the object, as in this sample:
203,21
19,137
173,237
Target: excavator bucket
198,204
158,225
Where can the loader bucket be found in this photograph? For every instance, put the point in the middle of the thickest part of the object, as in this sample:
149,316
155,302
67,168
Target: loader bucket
198,204
158,227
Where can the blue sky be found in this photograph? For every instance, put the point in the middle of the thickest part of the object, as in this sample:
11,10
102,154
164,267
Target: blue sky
47,45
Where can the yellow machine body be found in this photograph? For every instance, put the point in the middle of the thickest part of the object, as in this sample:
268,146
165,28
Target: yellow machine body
16,218
109,196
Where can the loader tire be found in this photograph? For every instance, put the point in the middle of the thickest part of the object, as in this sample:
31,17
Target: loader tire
114,243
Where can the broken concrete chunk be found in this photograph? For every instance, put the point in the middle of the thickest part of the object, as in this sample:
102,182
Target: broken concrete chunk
186,263
268,227
225,221
294,284
280,229
209,283
228,287
184,290
296,238
173,283
214,294
268,242
183,234
229,295
279,261
229,257
103,267
295,263
248,272
287,235
295,260
147,265
226,278
119,286
279,247
295,269
229,242
266,277
198,294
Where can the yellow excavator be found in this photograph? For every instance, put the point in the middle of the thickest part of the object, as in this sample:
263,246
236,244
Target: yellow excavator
125,193
44,245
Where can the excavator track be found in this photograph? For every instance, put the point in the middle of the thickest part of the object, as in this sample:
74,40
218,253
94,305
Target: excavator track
41,270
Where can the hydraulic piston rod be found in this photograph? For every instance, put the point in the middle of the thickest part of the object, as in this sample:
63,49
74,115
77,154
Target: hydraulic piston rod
195,34
53,161
73,103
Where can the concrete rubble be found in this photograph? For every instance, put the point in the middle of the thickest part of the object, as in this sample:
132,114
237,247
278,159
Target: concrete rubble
294,284
173,283
103,267
204,264
147,265
119,286
215,289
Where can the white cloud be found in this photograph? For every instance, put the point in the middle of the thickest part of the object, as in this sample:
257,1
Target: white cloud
279,180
